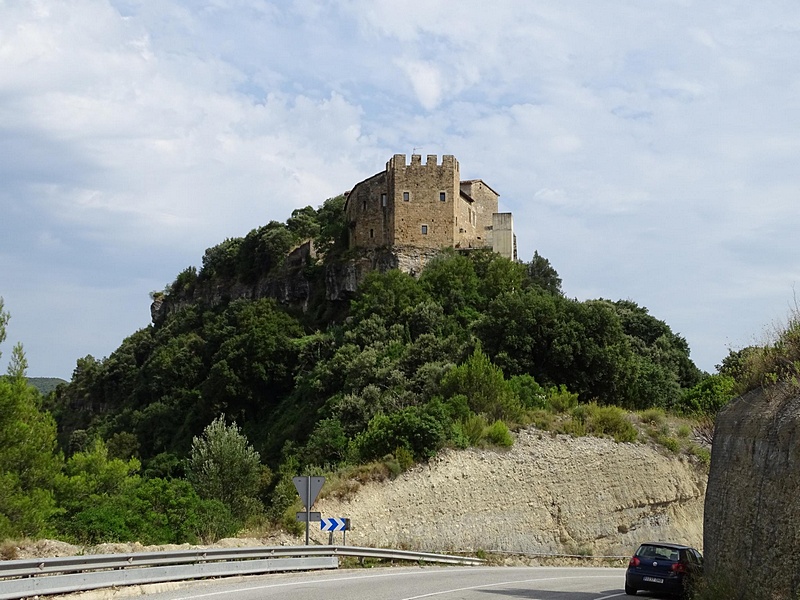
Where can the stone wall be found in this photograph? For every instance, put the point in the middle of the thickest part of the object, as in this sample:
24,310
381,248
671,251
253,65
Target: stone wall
421,205
752,510
485,205
425,199
370,214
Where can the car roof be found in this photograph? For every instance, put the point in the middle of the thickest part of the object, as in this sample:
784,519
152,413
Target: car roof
667,545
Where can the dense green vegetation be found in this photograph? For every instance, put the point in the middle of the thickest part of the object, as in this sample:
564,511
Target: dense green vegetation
195,425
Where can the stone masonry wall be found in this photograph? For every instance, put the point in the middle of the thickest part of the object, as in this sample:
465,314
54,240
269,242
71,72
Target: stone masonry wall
420,205
421,217
370,214
752,509
485,205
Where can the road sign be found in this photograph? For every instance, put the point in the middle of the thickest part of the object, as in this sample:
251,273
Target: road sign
334,524
309,516
308,488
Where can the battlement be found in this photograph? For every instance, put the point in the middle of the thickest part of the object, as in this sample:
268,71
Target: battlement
398,161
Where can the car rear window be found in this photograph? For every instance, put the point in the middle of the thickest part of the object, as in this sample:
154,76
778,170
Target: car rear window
655,551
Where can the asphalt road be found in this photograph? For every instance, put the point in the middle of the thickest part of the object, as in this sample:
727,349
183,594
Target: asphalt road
440,583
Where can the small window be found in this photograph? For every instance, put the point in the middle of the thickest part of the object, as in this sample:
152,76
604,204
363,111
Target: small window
372,233
364,205
383,200
424,230
406,196
443,196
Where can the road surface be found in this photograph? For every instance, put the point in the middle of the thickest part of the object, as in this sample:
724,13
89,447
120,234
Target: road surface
415,583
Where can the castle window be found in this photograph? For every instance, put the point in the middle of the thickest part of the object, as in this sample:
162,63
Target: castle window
406,196
424,230
443,196
383,200
372,233
364,205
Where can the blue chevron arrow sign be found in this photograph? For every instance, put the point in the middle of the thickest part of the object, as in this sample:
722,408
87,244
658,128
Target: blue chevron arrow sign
334,524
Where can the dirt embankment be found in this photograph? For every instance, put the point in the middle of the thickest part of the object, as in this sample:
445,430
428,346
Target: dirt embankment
546,494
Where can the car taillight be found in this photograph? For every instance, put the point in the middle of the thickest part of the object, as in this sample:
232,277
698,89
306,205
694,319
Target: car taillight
634,562
679,567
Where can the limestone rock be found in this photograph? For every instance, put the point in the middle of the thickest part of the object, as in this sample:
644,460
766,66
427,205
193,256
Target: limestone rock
752,509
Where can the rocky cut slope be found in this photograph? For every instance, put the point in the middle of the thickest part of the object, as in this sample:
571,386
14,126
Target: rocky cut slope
752,509
546,494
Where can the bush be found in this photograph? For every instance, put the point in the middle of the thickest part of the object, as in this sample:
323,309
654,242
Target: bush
530,394
473,428
498,434
708,397
560,400
653,416
412,428
611,421
155,511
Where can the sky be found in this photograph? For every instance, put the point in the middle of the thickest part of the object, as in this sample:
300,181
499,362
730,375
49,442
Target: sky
648,149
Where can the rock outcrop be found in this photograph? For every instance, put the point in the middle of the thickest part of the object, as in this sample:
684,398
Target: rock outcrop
546,494
291,285
752,511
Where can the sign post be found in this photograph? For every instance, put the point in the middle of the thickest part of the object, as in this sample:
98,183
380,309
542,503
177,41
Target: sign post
308,488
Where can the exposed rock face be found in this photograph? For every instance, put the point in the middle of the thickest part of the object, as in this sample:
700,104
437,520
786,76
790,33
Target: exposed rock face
544,495
752,511
292,287
342,279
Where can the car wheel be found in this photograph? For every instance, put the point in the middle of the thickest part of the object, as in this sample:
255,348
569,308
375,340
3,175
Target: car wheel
631,591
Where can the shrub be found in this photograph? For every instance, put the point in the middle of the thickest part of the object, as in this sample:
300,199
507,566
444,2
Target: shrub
530,394
473,428
702,454
413,428
498,434
611,421
670,443
708,397
560,400
653,416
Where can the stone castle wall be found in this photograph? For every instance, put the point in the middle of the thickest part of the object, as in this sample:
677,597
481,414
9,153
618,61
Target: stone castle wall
423,205
425,199
484,207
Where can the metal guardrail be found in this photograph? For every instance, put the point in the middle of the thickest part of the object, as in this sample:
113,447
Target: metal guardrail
26,578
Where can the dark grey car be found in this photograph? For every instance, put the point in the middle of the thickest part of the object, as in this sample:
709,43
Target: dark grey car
662,567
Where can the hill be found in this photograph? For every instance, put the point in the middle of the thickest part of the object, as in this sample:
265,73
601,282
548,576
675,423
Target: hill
390,373
45,385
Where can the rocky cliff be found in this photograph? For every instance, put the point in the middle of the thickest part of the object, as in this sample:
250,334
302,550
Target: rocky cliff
546,494
752,510
293,284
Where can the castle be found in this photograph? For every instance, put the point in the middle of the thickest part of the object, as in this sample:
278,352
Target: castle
428,207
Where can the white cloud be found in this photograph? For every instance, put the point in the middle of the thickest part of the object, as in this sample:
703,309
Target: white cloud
657,163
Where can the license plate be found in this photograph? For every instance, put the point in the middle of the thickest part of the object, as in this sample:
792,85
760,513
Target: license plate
652,579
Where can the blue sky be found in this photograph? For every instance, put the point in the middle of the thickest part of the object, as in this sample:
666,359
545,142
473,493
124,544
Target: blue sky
649,150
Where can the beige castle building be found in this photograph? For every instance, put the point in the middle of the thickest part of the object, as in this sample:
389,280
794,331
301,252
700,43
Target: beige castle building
427,206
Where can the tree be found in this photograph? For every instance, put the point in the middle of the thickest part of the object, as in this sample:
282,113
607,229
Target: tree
332,237
542,274
223,466
28,459
486,390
